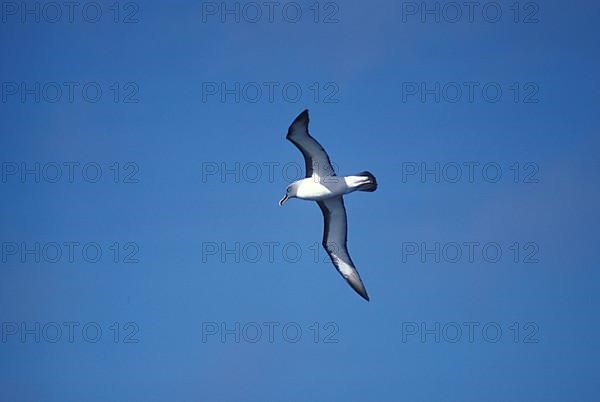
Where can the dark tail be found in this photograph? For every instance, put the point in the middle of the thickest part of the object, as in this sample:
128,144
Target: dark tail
371,185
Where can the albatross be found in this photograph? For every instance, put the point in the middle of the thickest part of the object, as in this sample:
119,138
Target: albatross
323,186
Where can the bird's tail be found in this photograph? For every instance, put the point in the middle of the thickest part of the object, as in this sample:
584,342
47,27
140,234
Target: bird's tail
370,185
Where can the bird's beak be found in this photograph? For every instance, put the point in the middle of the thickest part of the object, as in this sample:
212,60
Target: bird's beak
283,200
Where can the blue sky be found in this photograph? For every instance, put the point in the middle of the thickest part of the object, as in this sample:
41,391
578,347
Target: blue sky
195,251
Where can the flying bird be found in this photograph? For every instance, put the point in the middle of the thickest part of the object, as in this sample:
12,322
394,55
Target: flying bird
323,186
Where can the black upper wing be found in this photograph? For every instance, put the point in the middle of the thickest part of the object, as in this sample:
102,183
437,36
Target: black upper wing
316,159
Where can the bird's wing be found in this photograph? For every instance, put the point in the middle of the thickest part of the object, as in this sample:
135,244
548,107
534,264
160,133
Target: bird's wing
334,241
315,157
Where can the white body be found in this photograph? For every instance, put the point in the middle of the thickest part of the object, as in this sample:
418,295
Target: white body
320,188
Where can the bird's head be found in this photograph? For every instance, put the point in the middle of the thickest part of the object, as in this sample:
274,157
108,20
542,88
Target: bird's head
290,192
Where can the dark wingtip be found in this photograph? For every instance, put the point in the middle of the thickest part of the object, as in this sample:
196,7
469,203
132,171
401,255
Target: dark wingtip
365,295
359,288
301,118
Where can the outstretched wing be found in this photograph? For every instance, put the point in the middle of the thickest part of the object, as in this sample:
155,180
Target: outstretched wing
334,241
315,157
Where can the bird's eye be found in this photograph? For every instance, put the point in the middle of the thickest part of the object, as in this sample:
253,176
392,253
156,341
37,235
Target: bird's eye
288,190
